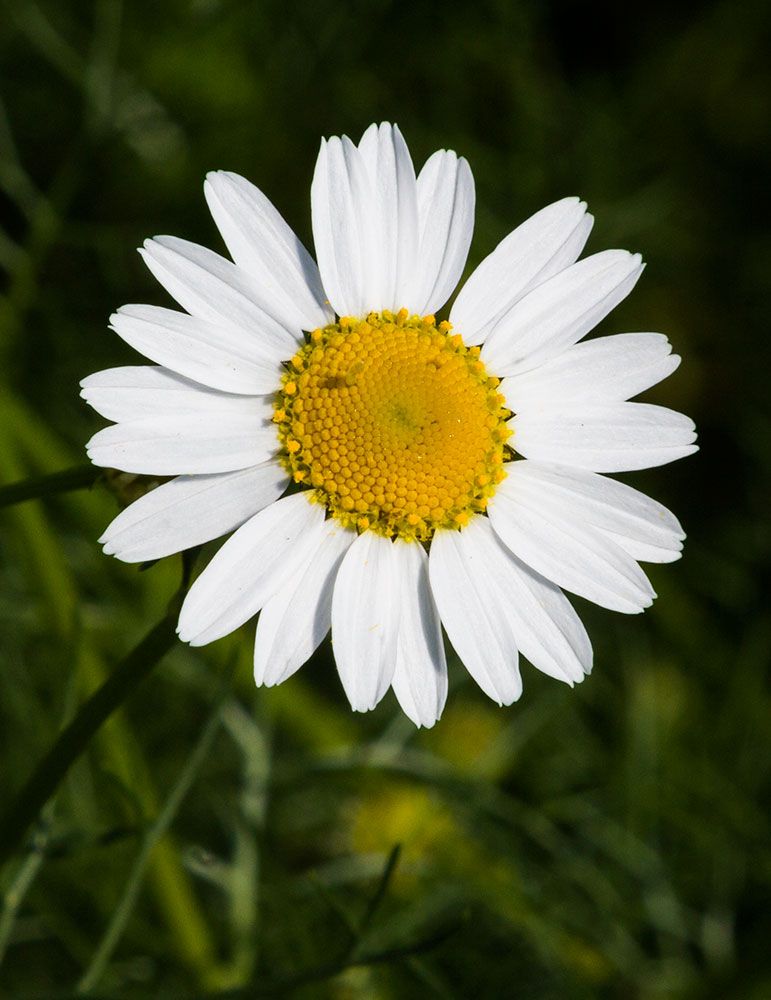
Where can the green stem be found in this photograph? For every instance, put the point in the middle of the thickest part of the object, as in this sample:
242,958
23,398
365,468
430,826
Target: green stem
281,986
152,836
41,486
74,739
285,986
18,888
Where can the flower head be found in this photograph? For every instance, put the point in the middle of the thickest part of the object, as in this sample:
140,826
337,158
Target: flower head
440,473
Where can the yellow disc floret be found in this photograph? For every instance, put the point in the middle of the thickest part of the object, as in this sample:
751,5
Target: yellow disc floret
394,423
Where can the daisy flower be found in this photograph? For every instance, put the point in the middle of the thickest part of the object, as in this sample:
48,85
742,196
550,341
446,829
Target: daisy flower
383,473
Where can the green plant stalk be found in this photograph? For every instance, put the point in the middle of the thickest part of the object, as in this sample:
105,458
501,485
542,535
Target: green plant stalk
50,574
74,739
42,486
151,839
169,881
23,879
17,890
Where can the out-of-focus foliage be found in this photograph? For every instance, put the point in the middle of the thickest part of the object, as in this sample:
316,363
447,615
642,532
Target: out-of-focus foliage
605,842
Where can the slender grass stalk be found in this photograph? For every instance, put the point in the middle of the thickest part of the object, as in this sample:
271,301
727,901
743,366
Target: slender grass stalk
285,986
74,739
152,836
21,881
42,486
244,880
17,890
166,877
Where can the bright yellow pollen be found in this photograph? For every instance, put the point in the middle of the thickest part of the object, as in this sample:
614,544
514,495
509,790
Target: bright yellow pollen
394,423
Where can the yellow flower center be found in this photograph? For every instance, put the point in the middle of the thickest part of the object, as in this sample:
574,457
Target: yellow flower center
394,423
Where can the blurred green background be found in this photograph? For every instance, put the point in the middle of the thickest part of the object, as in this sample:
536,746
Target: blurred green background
606,842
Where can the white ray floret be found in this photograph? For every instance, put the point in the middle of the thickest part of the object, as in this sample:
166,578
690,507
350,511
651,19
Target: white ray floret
606,437
470,602
263,246
184,445
213,353
541,247
147,391
543,531
560,312
365,619
212,288
446,223
287,634
604,370
387,231
191,510
420,675
384,239
250,568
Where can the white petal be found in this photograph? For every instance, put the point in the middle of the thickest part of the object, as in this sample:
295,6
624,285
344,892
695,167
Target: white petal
213,289
340,199
260,242
136,392
616,437
446,212
630,518
645,551
252,566
542,246
492,604
191,510
420,677
392,232
549,632
605,370
295,620
475,612
560,312
544,531
185,445
216,354
364,619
